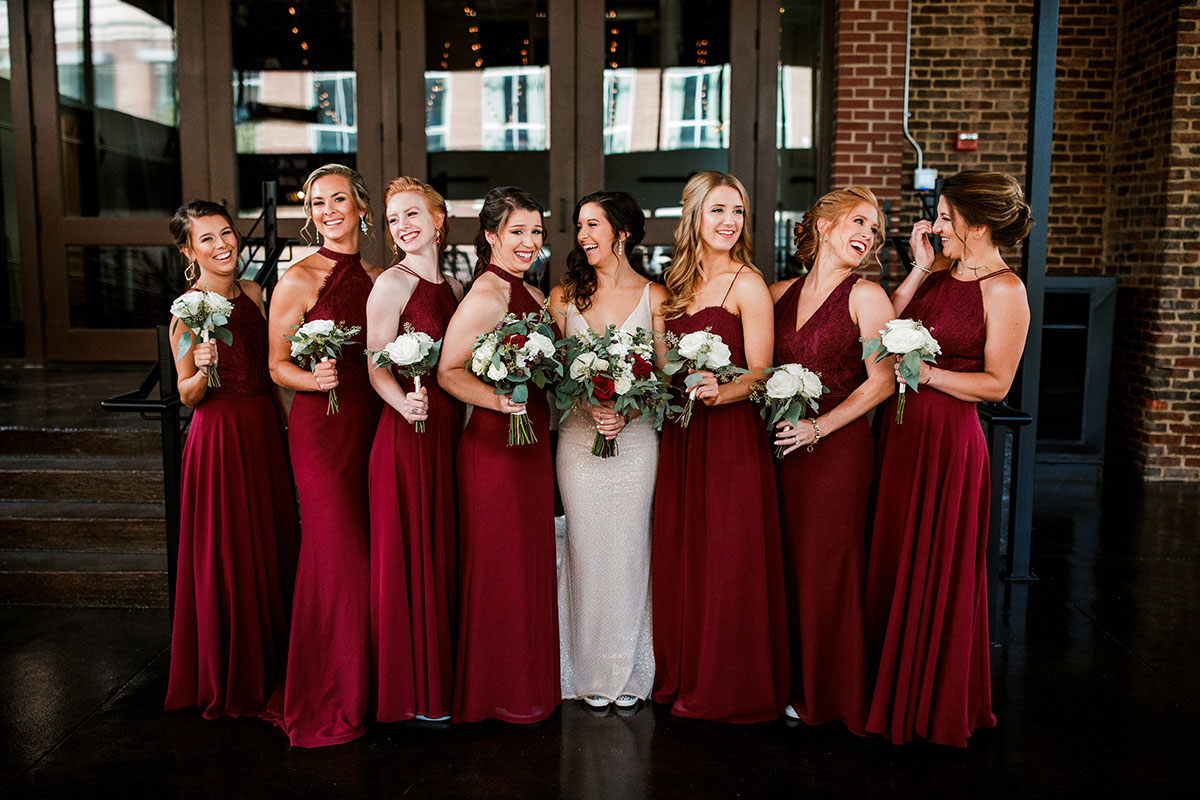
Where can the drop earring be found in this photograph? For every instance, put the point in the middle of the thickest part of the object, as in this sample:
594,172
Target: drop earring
620,247
362,224
191,272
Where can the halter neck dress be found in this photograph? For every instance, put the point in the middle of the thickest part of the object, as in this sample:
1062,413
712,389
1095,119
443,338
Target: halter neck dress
327,689
926,589
507,657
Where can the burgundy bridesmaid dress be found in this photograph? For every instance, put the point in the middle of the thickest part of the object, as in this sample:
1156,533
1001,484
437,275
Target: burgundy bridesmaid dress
823,498
926,592
238,537
329,663
720,628
507,655
414,567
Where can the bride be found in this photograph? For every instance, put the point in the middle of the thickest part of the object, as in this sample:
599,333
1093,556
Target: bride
603,588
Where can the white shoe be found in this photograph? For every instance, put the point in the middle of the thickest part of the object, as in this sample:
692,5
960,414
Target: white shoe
790,712
626,701
595,701
424,718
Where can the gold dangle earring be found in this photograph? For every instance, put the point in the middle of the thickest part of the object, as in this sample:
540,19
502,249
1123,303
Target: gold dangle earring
191,272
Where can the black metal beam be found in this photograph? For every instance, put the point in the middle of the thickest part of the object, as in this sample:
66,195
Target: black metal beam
1037,194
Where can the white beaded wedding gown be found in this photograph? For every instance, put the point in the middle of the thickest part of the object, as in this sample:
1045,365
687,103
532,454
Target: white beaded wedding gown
604,584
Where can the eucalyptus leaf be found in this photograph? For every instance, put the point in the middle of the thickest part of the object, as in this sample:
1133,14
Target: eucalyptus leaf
520,393
185,344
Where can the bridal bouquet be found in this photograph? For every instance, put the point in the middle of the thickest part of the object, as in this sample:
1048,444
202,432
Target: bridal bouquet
518,351
413,354
699,350
205,314
318,341
615,366
789,392
912,343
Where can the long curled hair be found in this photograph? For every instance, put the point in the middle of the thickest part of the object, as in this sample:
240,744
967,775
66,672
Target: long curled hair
684,273
181,231
358,189
832,206
993,199
433,201
625,216
497,206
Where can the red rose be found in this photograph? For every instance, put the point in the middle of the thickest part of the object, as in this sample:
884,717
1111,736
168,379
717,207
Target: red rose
602,387
515,339
641,367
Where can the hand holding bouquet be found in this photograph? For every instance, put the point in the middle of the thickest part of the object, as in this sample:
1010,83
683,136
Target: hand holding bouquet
205,314
413,354
614,367
912,343
788,394
318,341
518,351
699,350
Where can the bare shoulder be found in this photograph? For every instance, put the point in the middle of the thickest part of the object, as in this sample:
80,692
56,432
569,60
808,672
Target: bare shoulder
779,288
658,296
868,291
305,275
251,289
558,296
749,284
1005,289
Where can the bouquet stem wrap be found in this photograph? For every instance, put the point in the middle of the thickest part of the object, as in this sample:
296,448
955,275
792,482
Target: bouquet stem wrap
333,407
520,429
214,380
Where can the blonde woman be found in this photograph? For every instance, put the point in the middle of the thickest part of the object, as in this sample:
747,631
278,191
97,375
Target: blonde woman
720,633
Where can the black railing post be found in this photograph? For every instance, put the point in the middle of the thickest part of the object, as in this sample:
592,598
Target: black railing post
172,458
270,236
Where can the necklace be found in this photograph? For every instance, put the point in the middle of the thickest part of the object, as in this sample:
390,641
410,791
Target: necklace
962,268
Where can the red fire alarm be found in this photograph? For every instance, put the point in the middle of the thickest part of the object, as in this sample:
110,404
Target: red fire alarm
967,140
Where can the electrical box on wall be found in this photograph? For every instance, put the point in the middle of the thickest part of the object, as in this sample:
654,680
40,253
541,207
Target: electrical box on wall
966,140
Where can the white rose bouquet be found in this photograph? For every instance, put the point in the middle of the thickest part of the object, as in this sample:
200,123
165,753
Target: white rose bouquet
912,343
205,315
618,367
788,393
517,352
699,350
318,341
413,354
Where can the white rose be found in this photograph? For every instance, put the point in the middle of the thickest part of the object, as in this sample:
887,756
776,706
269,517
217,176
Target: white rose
902,324
581,365
521,360
404,351
317,327
297,348
782,385
901,340
218,303
618,349
187,305
691,345
929,344
812,384
485,350
497,372
479,366
622,384
537,343
718,354
796,370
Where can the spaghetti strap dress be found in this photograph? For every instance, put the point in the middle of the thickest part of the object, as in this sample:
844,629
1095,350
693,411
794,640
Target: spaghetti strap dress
926,590
507,655
327,689
413,539
720,625
604,583
238,537
823,497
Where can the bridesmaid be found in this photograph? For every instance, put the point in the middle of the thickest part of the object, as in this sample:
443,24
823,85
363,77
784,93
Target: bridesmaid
413,552
720,631
926,592
237,544
824,481
328,673
507,657
604,588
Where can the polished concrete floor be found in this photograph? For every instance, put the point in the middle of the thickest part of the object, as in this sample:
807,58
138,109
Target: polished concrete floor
1095,682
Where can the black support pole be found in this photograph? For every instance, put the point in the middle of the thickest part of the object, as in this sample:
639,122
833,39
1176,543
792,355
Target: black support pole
1037,194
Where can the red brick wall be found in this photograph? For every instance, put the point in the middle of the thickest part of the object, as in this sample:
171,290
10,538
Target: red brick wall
1125,183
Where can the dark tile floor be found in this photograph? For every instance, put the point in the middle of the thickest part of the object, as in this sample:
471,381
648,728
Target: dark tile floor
1094,676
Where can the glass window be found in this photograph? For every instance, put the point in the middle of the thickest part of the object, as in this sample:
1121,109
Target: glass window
117,107
295,95
666,96
12,317
487,99
122,287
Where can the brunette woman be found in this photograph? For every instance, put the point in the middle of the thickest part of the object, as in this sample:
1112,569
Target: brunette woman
824,478
328,672
720,632
238,535
507,657
413,553
926,593
604,586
